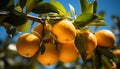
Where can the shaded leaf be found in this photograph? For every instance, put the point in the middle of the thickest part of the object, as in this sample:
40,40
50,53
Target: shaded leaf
15,18
97,23
6,26
47,35
10,6
60,8
11,32
42,48
84,19
44,7
3,4
53,21
30,5
84,5
80,43
97,59
107,53
102,15
24,27
107,61
95,6
22,3
37,1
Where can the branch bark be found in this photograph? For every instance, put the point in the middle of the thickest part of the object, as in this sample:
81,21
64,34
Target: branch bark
33,18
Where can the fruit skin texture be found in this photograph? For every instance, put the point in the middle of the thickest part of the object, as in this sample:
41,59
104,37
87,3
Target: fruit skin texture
47,34
27,45
39,28
117,53
68,52
50,56
105,38
91,43
64,31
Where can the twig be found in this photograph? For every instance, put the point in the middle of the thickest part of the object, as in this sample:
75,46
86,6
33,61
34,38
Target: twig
37,19
33,18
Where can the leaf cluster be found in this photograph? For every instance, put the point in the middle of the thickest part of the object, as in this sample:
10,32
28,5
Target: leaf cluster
15,17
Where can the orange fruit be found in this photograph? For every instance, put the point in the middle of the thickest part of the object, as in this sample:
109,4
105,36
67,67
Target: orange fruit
105,38
117,53
89,55
64,31
47,34
39,28
28,44
68,52
91,43
50,56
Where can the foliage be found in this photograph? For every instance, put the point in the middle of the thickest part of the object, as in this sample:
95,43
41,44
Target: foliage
15,17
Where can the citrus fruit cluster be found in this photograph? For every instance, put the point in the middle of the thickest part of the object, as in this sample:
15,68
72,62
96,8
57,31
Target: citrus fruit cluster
59,42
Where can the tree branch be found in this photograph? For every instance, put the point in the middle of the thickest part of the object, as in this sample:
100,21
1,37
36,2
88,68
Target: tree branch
33,18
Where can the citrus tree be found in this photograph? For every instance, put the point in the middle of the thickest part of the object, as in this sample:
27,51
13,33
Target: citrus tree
60,37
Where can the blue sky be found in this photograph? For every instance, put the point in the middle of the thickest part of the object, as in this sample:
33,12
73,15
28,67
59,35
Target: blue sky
111,7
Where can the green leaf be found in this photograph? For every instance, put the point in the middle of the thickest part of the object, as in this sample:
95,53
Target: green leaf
42,48
18,8
97,59
80,43
95,6
59,6
22,3
3,4
24,27
101,15
30,5
11,32
15,18
37,1
10,6
97,23
107,53
107,61
44,7
84,19
92,8
84,5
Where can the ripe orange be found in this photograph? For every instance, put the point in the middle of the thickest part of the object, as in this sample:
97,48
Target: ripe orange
64,31
47,34
28,44
117,53
50,56
39,28
68,52
91,43
89,55
105,38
